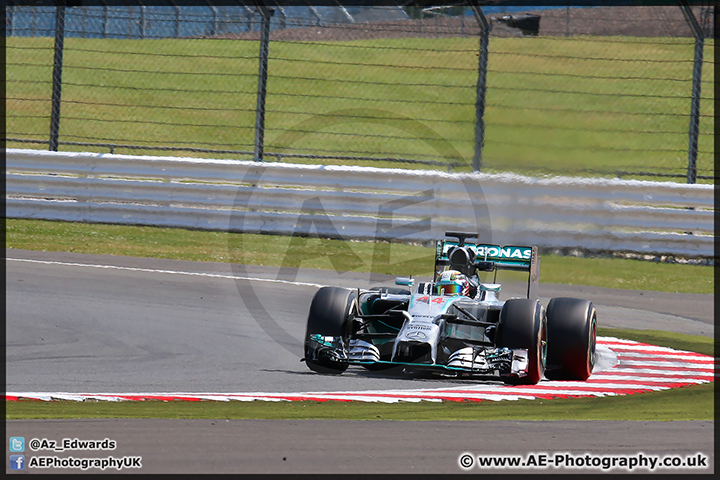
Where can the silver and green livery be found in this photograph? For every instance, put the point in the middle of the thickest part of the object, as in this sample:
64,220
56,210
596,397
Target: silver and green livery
415,329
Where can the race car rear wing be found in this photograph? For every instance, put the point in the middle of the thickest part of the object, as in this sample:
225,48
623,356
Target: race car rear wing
469,257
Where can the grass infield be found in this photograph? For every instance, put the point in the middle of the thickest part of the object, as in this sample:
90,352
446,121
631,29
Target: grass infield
251,249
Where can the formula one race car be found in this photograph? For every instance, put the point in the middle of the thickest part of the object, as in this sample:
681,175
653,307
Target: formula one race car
455,325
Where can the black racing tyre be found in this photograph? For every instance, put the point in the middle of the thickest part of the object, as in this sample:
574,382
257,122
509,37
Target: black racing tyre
572,331
523,325
331,313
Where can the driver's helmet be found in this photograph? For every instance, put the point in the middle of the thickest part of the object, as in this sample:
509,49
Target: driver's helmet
453,282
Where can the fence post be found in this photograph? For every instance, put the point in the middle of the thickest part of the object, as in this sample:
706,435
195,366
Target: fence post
57,75
265,13
694,129
567,20
214,25
143,22
481,84
177,20
9,21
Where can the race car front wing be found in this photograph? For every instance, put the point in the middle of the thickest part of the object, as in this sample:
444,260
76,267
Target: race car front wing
477,360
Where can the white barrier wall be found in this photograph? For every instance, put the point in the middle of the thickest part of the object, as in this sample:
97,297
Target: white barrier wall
361,202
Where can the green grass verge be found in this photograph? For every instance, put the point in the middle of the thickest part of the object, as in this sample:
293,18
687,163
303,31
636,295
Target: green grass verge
687,403
404,259
580,105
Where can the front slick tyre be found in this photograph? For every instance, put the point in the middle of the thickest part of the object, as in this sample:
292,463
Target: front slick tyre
572,327
331,313
523,325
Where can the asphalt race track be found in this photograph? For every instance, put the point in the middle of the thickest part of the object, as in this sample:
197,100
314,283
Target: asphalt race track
93,324
352,447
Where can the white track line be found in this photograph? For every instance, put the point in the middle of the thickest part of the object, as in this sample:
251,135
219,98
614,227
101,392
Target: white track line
169,272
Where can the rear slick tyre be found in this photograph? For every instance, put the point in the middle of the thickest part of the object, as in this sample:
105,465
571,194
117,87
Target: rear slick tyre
572,331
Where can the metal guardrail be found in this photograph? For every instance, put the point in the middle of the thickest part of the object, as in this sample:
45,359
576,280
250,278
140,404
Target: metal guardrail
361,202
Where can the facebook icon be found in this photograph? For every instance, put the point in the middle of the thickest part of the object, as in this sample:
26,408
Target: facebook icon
17,462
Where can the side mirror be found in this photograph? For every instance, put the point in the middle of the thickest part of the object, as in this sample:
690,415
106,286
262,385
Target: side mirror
406,281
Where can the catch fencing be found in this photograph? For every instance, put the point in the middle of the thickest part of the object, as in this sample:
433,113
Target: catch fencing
608,91
350,202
